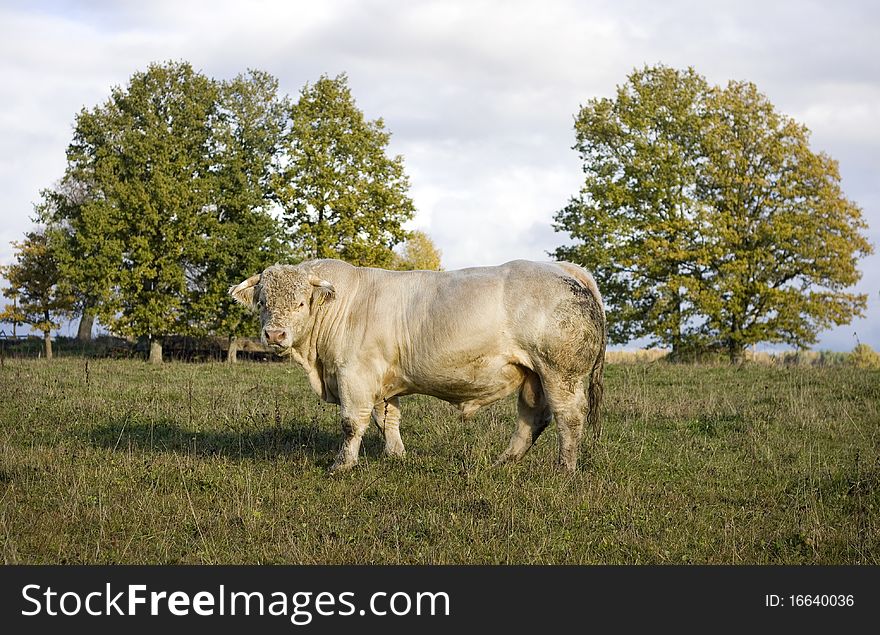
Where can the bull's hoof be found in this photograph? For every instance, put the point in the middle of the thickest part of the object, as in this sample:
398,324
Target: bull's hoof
566,467
395,451
505,459
339,468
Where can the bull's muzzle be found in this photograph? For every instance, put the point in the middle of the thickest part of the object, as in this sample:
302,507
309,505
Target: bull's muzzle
275,337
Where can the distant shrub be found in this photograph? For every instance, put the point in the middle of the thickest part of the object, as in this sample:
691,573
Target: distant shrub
863,356
698,352
800,358
832,358
645,355
812,358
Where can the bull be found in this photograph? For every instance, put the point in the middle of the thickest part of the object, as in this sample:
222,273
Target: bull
366,337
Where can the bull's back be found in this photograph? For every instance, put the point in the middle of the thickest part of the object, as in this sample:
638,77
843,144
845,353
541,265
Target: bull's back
471,333
454,321
444,333
509,308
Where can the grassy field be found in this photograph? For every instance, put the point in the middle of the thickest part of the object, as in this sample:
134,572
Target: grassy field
121,462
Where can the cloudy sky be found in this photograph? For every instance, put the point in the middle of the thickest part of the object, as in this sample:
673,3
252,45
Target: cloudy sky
479,95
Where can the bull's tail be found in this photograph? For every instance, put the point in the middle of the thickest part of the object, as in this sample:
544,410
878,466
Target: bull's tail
596,382
596,388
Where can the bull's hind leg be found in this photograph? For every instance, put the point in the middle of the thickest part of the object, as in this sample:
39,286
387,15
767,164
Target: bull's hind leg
569,405
386,414
533,417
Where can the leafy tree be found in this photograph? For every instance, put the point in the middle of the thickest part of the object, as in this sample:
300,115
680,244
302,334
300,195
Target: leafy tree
11,312
166,200
34,278
343,197
706,218
145,154
240,234
784,241
636,222
172,184
87,252
419,252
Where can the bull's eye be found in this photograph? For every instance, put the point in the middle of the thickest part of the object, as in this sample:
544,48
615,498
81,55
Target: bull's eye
302,304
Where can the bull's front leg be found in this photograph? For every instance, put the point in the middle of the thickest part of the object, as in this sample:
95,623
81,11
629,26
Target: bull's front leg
354,424
356,402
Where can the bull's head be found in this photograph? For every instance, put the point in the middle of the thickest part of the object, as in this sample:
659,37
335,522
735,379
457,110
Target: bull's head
286,297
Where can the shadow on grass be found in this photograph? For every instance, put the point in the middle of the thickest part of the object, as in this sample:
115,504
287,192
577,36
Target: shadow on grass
293,441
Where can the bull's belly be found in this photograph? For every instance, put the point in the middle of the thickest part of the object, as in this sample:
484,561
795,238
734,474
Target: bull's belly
469,386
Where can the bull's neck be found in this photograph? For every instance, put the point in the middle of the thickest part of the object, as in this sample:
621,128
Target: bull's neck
323,329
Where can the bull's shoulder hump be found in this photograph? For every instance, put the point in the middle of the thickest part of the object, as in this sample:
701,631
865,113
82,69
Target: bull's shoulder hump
329,264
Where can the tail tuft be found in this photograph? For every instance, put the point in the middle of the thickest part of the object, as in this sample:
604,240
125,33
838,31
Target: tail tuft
596,389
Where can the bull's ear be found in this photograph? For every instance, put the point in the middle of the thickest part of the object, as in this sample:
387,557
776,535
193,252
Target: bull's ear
243,292
322,290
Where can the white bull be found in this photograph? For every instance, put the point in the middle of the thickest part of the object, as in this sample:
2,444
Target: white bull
366,336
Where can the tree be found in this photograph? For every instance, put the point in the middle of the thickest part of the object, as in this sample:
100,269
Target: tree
636,222
703,214
343,197
241,236
166,199
145,154
86,251
11,312
784,240
34,278
419,252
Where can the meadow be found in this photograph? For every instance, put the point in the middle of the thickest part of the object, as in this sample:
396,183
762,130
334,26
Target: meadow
117,461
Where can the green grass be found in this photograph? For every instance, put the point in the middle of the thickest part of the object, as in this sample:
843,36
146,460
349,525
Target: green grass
121,462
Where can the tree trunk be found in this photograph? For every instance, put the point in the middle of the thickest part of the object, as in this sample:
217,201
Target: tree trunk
47,341
232,353
86,322
319,243
736,352
676,336
155,351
